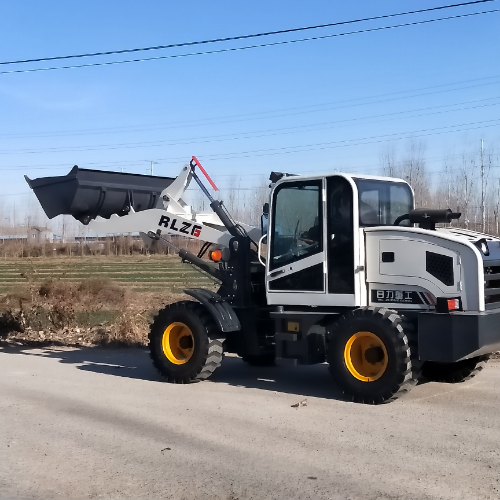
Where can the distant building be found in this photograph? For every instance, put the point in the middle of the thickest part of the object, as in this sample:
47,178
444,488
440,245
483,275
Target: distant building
28,234
17,233
38,234
104,237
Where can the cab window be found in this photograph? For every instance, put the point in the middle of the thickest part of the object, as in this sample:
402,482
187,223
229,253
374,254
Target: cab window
382,202
297,226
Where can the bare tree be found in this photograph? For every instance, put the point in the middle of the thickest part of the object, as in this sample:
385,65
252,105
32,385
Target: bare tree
411,168
3,212
414,172
260,195
389,161
234,197
465,189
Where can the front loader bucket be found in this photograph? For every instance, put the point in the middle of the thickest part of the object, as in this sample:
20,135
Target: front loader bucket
86,194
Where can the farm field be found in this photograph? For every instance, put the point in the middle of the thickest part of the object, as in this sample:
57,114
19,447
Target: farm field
135,273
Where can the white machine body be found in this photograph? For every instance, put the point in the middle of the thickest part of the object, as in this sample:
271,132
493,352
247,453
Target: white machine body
391,266
413,250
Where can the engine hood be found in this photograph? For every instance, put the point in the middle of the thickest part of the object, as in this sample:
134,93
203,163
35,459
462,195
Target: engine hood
488,246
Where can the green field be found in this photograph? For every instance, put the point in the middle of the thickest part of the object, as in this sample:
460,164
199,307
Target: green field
138,273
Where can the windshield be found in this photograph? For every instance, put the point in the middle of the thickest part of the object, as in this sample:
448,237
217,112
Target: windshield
382,202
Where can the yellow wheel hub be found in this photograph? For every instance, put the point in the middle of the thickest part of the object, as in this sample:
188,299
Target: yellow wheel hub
365,356
178,343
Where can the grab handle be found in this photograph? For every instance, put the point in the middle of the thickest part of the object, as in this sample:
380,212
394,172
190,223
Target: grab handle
258,253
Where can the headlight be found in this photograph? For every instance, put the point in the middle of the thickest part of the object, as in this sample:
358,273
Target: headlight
482,244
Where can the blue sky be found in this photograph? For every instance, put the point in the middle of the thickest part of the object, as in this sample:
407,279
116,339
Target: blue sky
302,107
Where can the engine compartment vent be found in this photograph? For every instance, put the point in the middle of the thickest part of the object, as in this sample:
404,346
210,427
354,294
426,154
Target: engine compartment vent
492,284
441,267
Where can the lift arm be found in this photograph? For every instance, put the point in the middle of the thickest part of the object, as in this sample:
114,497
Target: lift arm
117,203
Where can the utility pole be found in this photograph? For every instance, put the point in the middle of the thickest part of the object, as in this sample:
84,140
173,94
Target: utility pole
498,209
448,201
483,208
152,163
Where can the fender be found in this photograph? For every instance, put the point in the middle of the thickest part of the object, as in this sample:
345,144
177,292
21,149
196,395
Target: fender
222,313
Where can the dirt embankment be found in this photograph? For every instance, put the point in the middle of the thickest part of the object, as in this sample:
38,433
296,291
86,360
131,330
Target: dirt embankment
93,311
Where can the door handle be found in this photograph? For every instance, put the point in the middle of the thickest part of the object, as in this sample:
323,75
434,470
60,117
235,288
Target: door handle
276,273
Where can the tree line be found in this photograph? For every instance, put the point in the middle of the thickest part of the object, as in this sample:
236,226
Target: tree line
467,182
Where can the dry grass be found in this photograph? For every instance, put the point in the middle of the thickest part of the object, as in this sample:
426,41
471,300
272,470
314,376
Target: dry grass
94,311
85,293
90,312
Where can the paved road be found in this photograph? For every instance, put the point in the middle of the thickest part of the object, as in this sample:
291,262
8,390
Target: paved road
96,423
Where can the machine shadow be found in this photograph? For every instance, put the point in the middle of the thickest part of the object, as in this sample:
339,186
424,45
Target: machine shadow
312,381
130,362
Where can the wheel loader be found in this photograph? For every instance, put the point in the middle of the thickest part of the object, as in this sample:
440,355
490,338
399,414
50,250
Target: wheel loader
343,270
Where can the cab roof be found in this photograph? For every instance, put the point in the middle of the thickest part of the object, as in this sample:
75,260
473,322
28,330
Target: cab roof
293,177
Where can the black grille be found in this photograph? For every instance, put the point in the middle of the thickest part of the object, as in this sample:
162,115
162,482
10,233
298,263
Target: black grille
440,266
492,284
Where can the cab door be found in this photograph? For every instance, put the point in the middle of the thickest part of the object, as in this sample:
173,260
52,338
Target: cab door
342,243
296,259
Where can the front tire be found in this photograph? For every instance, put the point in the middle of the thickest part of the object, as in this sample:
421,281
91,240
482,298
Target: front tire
370,356
185,344
452,373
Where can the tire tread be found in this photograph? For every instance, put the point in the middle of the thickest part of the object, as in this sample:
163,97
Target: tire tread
408,366
453,373
215,351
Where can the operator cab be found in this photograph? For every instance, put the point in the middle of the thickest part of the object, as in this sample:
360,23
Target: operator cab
316,233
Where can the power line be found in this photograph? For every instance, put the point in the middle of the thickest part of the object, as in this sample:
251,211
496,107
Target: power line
257,134
220,138
233,49
318,126
329,145
398,115
399,134
162,161
364,168
317,171
15,194
241,37
258,115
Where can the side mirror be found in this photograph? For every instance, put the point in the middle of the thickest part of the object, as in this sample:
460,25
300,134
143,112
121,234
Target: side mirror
264,225
265,209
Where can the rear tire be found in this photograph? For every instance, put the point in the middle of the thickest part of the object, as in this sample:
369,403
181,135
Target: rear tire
185,344
370,356
453,373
